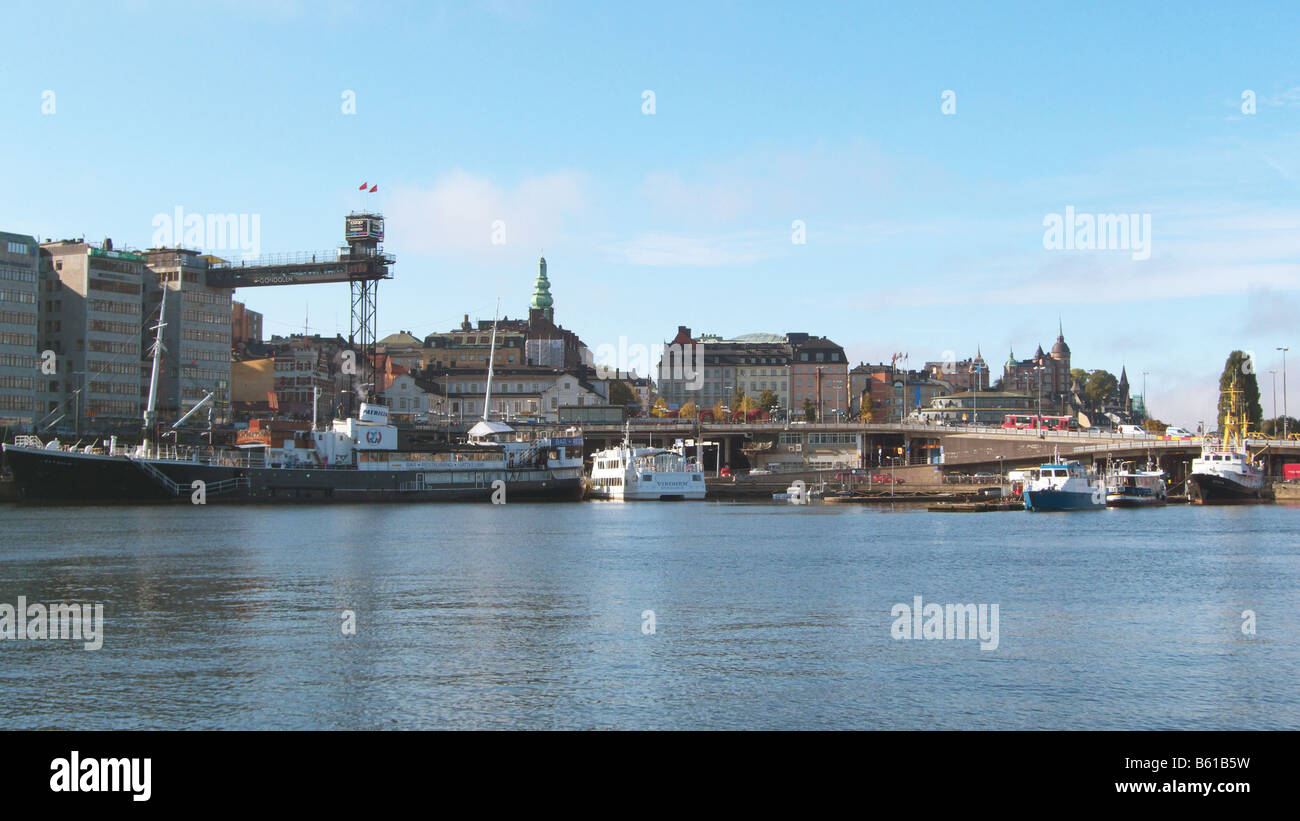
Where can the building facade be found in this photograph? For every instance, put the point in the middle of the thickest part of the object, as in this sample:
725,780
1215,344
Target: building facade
19,314
196,337
94,300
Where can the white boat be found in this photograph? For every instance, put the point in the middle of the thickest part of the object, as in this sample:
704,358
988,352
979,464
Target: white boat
633,473
1064,485
799,493
1225,473
1128,486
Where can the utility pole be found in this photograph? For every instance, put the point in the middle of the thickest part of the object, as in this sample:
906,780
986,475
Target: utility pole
1284,421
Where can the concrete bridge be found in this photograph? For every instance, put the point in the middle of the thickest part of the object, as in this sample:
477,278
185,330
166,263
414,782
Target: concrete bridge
913,450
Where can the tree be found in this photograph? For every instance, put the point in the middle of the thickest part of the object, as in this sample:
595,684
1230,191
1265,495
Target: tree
621,393
688,411
1155,426
1101,386
660,408
867,412
747,404
809,410
1239,374
1274,427
767,400
718,411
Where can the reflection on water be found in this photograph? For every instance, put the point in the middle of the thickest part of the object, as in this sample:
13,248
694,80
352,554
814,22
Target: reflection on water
480,616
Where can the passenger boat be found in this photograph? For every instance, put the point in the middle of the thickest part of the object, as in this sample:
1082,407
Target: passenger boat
631,473
1064,485
1129,486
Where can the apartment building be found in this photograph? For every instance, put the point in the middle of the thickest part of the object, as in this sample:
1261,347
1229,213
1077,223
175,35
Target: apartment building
19,365
91,317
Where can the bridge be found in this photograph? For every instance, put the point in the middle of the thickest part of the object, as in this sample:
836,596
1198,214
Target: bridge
916,450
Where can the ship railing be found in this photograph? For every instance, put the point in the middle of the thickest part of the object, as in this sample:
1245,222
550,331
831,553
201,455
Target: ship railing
158,476
227,485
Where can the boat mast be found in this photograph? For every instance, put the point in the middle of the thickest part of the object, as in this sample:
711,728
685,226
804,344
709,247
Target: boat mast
150,408
492,355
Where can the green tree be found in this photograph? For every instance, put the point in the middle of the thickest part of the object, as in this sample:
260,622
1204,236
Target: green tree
809,410
1100,387
1239,374
621,393
767,399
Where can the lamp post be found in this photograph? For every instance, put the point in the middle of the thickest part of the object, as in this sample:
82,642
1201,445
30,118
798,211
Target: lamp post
1274,373
1284,422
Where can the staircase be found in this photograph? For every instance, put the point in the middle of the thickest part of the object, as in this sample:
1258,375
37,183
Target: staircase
161,479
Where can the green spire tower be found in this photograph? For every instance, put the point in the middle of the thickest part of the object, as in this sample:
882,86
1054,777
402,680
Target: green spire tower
542,300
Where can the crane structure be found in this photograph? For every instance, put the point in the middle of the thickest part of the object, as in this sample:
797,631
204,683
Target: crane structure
362,263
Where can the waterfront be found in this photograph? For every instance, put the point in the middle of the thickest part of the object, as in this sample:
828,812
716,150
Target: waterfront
766,616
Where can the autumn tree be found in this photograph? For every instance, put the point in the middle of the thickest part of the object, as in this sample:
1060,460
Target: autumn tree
688,411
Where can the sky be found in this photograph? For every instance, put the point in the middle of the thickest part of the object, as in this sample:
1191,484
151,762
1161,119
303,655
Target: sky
882,174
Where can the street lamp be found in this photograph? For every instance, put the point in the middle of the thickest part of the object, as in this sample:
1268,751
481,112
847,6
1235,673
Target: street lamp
1284,423
1274,373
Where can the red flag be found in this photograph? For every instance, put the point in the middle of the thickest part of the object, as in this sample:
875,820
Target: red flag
363,186
374,188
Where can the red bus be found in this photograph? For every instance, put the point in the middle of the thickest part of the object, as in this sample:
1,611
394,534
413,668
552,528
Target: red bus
1020,421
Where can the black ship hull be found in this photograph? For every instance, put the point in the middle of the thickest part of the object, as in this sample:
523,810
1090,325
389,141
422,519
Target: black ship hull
76,478
1206,489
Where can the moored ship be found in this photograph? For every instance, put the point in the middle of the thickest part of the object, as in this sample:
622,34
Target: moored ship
354,461
1129,486
1226,473
631,473
1064,485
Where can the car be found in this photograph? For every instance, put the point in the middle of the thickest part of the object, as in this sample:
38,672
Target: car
760,472
1175,432
985,476
725,473
1132,430
885,479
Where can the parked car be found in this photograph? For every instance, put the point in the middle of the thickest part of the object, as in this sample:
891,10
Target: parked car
885,479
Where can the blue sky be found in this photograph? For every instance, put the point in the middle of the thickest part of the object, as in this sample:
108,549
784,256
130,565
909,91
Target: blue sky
924,231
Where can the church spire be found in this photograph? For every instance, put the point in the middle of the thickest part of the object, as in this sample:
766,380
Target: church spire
542,299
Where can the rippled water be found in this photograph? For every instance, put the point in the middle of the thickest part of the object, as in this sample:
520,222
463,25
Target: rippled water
766,616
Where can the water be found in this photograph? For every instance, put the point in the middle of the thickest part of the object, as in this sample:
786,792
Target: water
766,616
